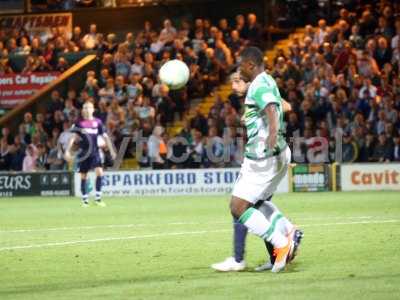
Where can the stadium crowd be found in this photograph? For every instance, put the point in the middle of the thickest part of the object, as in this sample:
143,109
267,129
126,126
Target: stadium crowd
339,78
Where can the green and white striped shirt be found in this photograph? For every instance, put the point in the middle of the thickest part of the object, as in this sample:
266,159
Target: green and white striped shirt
262,91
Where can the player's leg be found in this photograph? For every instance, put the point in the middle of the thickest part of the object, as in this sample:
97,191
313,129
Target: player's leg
272,212
270,249
99,184
239,240
84,190
235,262
252,184
258,224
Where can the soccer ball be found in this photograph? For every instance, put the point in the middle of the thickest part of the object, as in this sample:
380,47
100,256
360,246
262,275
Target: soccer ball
175,74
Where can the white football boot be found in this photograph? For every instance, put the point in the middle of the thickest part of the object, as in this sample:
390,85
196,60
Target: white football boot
229,265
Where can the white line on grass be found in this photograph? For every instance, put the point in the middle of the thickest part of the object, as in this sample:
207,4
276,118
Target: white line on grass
351,223
123,238
173,234
148,225
106,226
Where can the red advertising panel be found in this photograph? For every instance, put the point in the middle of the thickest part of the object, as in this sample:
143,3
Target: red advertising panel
16,88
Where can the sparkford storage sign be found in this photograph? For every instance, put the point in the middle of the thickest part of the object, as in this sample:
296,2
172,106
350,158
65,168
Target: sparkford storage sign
169,182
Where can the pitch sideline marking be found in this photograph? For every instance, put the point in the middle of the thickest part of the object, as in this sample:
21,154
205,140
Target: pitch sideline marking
145,225
172,234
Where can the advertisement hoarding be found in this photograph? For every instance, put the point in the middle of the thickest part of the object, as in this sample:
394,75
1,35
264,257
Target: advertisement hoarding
36,184
370,177
170,182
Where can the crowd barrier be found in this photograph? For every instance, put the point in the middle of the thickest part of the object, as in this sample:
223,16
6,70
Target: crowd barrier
300,178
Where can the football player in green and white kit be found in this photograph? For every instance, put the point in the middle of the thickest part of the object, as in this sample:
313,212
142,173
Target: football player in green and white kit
266,160
236,262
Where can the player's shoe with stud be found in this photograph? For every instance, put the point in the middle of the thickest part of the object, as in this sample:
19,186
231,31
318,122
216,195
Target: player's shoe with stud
100,203
296,236
229,265
85,204
264,267
281,256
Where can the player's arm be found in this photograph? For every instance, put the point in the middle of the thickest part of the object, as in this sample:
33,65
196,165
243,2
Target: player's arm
273,121
68,151
286,106
110,145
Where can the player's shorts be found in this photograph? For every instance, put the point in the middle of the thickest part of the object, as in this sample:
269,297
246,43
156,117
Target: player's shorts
259,179
89,163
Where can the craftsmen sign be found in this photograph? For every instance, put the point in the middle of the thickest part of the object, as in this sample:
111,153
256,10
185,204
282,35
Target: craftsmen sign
38,24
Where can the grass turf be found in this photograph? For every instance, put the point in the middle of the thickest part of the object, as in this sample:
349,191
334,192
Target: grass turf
162,247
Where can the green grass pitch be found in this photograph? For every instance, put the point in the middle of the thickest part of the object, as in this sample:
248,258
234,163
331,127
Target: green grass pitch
162,248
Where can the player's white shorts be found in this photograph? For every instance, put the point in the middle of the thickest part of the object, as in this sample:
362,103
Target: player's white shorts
258,179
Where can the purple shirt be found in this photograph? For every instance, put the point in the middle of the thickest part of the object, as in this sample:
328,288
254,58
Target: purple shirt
88,131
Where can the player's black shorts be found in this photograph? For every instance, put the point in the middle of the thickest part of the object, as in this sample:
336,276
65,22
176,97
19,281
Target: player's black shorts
89,163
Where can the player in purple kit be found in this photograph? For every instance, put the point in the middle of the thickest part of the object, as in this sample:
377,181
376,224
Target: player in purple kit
89,131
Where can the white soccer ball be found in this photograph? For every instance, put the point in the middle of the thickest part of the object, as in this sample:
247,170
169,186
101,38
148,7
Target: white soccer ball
175,74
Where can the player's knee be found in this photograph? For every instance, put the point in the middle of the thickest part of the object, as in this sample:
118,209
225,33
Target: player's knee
238,207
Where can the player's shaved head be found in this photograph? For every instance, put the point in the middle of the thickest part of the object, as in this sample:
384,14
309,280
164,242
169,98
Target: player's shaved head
253,54
251,63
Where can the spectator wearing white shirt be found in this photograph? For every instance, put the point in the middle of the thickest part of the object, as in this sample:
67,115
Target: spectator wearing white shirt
321,33
134,88
90,39
368,86
107,93
168,33
64,138
156,44
138,66
29,163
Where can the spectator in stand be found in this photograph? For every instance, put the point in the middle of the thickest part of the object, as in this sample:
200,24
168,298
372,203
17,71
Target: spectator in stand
396,148
253,31
116,114
168,33
165,107
5,155
199,122
321,32
62,65
383,151
382,53
240,26
24,48
41,160
17,152
153,143
107,93
29,162
56,103
89,41
350,149
138,66
367,23
12,46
